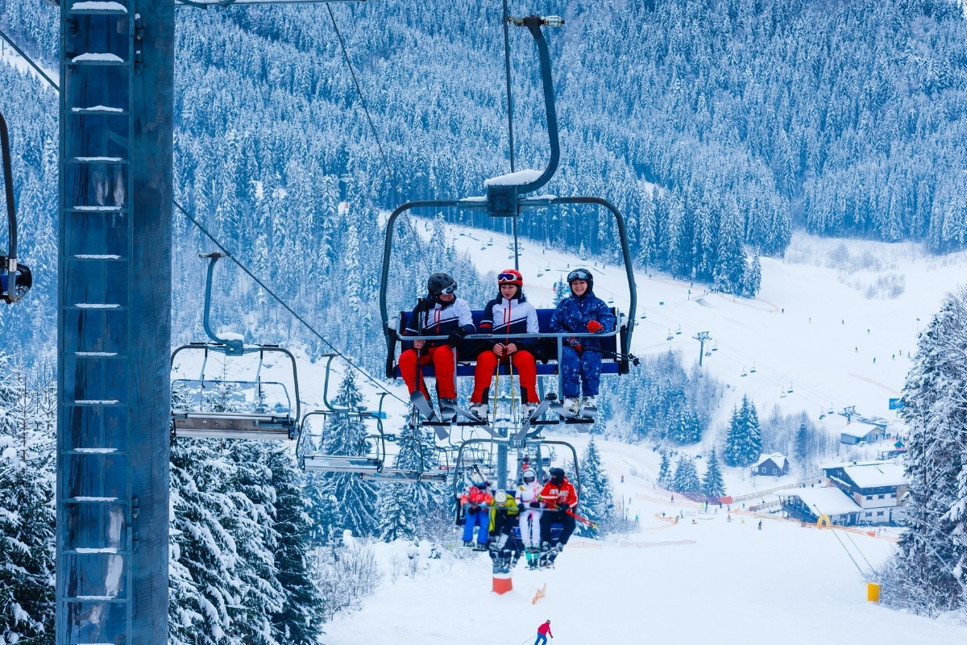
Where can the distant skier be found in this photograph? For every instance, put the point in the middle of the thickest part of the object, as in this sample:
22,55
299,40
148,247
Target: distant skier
543,632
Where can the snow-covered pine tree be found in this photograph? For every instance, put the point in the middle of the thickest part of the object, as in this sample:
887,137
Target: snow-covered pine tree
348,501
26,508
204,584
299,621
713,485
932,558
665,471
686,477
597,498
743,443
688,429
252,527
415,509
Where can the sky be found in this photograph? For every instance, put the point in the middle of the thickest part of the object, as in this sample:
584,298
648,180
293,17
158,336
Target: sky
813,330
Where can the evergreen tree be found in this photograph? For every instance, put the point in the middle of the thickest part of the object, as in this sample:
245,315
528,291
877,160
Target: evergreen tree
299,620
686,477
713,485
348,501
743,443
664,471
933,551
414,509
597,499
688,429
27,605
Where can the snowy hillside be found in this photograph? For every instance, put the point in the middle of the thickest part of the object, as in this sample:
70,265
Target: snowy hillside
825,312
704,579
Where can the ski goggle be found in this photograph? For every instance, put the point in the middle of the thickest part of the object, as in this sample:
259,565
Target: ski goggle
508,277
448,290
529,478
578,274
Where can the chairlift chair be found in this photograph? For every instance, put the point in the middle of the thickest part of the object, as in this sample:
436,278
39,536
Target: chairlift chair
260,408
506,198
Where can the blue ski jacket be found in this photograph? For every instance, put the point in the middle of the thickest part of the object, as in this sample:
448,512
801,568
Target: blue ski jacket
575,312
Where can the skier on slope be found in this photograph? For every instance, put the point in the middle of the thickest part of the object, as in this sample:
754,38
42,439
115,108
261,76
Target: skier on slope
543,632
559,500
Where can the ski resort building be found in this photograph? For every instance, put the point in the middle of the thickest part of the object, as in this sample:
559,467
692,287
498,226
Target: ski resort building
774,465
858,494
857,432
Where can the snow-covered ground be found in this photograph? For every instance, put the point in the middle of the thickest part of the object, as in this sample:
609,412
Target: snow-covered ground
704,579
834,326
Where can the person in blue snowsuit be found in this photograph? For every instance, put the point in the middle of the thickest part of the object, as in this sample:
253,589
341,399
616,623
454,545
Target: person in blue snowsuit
581,312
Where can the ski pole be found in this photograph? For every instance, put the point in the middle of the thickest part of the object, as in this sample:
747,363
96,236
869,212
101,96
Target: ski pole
583,520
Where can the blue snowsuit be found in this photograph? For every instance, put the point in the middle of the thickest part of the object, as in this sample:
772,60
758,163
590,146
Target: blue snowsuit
581,357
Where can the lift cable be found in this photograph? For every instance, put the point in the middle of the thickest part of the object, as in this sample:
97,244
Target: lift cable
29,60
232,257
284,304
391,171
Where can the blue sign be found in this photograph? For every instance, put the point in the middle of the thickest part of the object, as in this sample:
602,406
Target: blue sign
896,404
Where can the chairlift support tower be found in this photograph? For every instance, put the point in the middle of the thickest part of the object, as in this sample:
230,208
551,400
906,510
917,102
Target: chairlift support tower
114,318
114,311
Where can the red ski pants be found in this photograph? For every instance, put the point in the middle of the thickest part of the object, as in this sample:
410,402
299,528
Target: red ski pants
442,360
524,365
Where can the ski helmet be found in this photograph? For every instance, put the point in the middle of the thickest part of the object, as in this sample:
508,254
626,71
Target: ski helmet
581,274
510,276
557,475
529,475
439,283
500,497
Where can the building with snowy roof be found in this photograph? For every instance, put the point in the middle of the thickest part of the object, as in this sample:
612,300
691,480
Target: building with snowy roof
811,504
878,488
774,465
856,432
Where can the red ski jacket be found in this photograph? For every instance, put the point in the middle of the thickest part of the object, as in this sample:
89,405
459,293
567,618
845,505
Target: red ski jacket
545,629
563,496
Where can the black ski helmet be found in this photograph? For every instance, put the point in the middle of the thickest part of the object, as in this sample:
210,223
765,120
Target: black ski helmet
557,475
438,283
581,274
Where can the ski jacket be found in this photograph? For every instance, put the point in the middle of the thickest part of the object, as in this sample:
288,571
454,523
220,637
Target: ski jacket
559,496
434,318
476,497
527,492
511,316
545,629
575,312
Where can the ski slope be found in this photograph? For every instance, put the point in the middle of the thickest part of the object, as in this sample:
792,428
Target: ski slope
825,312
700,580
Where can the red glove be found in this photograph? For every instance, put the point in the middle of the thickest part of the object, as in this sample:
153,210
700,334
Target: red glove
594,326
573,344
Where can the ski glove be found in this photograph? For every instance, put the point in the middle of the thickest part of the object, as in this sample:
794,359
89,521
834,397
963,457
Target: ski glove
456,336
594,326
573,344
535,504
